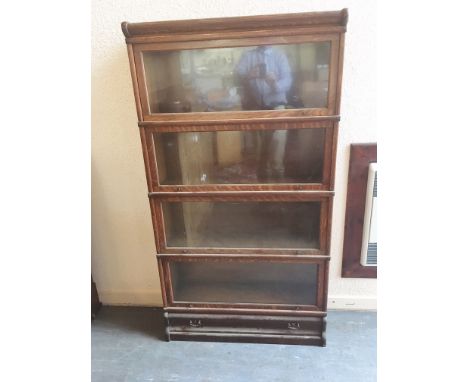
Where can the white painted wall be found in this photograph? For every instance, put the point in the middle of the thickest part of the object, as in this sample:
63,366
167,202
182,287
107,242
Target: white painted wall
123,261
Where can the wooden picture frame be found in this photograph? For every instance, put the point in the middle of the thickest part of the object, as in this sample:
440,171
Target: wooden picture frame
361,155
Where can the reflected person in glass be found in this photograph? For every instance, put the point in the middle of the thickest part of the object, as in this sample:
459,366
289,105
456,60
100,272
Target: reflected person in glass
265,78
264,75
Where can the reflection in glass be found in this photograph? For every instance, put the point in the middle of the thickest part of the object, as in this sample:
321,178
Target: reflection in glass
240,78
242,224
240,157
265,77
237,282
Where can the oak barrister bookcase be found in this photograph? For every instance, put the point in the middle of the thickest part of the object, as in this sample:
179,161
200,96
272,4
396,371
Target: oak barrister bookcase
238,120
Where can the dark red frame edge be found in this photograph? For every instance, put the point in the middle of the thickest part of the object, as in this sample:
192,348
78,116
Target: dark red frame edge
360,157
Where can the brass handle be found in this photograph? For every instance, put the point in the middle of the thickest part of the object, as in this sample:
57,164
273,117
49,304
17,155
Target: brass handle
195,323
293,325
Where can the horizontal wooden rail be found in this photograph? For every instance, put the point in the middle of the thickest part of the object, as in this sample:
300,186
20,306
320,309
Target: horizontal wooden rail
307,19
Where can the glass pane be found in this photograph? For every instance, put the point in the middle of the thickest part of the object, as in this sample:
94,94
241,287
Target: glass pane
240,157
242,224
236,282
262,77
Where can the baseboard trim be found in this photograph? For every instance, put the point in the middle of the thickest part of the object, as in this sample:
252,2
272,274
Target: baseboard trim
154,299
352,303
131,298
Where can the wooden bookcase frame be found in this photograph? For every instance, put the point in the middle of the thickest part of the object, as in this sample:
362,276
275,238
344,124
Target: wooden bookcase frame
238,32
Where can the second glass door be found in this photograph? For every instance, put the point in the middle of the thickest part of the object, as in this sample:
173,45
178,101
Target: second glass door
240,157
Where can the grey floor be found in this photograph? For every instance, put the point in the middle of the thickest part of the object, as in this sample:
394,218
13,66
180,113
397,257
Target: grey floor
128,345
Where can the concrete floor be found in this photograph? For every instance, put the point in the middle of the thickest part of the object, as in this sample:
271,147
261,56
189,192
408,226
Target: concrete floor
128,345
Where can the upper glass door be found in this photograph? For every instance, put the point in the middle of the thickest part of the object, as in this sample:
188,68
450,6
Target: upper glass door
287,73
264,77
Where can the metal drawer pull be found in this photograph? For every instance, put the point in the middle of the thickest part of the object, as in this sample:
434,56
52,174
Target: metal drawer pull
293,325
195,323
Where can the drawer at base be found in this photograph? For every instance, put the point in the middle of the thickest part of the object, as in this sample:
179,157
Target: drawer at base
182,322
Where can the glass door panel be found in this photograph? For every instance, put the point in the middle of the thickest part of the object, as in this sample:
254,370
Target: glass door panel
242,282
240,157
242,224
265,77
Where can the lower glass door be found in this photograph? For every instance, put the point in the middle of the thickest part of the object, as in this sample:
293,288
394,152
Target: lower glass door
242,282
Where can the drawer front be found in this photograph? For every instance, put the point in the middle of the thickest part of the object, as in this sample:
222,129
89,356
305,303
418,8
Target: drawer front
179,322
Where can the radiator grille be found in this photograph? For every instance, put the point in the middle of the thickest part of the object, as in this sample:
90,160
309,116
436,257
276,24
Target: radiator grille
372,254
375,185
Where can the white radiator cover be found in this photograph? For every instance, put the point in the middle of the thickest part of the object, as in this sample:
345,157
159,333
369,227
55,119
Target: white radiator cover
369,236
